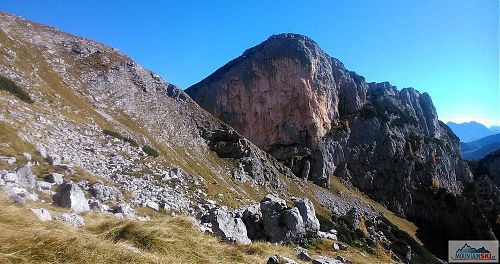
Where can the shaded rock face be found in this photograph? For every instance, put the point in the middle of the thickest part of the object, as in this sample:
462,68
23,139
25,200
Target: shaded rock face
225,225
252,218
320,119
485,191
71,196
283,224
25,178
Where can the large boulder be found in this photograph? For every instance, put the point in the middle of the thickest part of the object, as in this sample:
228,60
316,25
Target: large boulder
10,178
325,260
25,178
308,214
69,195
277,259
54,159
19,195
55,178
282,224
252,218
225,225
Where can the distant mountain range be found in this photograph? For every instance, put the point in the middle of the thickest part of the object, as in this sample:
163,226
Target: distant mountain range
470,131
476,150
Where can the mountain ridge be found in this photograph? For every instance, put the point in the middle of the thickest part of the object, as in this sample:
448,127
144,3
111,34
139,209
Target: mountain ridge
95,112
321,119
471,131
132,147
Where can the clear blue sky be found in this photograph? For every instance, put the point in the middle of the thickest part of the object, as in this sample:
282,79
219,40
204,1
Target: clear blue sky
447,48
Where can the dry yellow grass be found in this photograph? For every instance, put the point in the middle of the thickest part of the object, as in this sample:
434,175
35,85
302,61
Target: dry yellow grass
23,239
105,239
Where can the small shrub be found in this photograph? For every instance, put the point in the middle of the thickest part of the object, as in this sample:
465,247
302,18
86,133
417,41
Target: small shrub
117,135
132,142
8,85
309,242
112,134
393,233
325,223
435,184
150,151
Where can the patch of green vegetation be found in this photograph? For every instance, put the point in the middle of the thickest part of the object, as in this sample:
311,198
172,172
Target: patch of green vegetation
150,151
8,85
325,223
400,237
355,238
117,135
309,242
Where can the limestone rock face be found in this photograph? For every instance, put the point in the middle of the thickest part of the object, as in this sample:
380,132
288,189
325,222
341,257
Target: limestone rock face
308,214
226,226
308,111
71,196
283,224
485,191
280,92
25,177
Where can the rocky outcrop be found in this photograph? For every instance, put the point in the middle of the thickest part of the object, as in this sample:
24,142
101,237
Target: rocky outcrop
284,95
55,178
283,224
320,119
485,191
225,225
25,178
71,196
270,220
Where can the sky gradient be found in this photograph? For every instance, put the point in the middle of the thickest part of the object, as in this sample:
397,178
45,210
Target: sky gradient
449,49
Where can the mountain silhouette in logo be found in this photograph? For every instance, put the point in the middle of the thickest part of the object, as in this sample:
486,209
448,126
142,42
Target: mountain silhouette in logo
468,249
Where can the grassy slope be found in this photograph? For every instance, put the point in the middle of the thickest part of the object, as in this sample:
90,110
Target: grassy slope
108,240
24,239
16,243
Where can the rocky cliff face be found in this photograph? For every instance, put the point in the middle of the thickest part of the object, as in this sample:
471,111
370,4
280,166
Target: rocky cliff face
485,190
308,111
